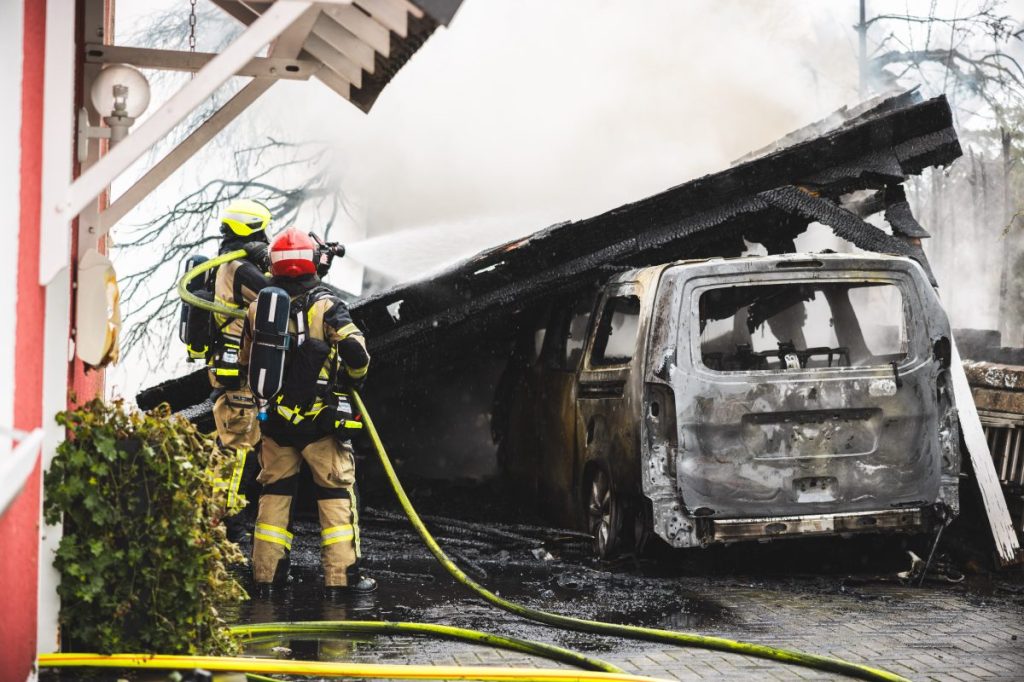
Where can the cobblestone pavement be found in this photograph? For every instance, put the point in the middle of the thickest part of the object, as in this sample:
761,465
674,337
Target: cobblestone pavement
932,634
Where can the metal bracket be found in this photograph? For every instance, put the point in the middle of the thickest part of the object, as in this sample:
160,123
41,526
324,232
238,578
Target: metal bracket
88,132
175,60
287,46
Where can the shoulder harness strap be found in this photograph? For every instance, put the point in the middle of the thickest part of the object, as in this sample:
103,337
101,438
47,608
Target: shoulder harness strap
301,311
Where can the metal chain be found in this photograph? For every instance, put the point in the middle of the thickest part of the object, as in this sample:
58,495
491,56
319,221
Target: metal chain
192,26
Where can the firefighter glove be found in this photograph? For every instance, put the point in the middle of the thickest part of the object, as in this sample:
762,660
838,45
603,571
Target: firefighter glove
259,254
324,259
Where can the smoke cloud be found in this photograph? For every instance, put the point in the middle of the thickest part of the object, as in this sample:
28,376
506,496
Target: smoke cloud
527,113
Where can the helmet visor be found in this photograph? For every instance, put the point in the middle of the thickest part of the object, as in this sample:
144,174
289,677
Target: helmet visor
243,224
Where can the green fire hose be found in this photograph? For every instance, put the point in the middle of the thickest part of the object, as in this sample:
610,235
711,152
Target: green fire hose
374,627
815,661
193,300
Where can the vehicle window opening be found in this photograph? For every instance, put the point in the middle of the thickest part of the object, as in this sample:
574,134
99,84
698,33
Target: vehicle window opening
529,347
615,340
575,333
802,326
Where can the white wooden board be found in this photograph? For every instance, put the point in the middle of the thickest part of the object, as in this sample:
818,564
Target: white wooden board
1007,545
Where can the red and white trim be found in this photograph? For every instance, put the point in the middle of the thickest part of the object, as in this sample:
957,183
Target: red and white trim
18,465
291,254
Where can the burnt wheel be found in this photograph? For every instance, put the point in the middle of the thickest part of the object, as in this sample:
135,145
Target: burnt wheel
643,524
604,515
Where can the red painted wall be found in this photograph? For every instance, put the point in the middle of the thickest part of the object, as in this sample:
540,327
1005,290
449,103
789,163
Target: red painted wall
19,527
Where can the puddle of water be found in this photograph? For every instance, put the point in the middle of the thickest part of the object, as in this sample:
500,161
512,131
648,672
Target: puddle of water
414,588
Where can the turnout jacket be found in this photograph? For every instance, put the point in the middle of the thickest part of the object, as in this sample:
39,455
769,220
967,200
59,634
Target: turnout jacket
328,327
237,284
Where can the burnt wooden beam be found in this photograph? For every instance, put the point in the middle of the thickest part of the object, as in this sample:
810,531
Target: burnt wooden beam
706,216
473,308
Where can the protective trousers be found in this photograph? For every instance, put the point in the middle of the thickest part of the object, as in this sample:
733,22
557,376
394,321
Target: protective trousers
333,469
234,413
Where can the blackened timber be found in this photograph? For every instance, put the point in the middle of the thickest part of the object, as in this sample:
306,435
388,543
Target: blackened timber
470,311
844,223
704,217
180,393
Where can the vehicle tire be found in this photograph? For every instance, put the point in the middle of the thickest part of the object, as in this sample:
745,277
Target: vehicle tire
604,514
643,524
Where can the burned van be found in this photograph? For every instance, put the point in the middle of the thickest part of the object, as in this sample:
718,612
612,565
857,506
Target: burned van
724,400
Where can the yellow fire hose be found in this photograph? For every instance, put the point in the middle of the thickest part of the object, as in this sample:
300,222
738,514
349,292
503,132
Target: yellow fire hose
829,664
446,672
330,669
375,627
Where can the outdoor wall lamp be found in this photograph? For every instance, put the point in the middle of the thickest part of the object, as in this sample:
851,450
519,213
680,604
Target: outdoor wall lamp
124,92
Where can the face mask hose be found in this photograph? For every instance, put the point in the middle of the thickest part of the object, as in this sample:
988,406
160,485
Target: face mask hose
193,300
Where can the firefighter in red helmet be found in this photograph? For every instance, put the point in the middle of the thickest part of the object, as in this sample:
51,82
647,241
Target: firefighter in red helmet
310,419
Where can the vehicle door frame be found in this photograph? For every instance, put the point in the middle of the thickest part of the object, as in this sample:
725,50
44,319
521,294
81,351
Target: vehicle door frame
556,418
607,400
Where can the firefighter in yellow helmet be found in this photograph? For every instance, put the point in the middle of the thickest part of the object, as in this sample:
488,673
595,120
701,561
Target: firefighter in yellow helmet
310,419
243,225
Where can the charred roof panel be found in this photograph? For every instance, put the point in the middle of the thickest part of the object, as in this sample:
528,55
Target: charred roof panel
472,308
769,199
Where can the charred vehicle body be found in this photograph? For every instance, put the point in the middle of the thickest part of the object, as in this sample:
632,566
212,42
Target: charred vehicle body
721,400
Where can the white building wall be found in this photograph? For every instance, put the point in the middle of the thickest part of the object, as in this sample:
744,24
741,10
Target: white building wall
58,150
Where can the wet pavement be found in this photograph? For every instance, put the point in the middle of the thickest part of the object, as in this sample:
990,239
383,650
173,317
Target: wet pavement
839,598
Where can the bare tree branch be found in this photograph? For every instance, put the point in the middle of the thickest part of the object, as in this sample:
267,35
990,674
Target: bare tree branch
974,79
289,178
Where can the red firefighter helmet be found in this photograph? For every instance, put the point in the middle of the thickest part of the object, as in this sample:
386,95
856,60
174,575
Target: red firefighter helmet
292,253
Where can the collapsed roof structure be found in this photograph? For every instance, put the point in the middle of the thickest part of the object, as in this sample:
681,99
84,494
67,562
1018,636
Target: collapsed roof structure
450,334
837,178
768,200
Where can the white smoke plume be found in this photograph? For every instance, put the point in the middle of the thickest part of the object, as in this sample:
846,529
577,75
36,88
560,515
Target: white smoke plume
532,112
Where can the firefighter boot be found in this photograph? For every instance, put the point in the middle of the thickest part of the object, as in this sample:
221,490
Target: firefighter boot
357,587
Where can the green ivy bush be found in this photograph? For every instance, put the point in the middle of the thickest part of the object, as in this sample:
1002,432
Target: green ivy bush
144,558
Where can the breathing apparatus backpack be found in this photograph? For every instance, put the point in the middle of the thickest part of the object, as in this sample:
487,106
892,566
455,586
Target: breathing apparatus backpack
270,343
196,328
285,368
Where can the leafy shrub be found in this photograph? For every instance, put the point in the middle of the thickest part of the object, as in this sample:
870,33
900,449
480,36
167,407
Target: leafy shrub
144,557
